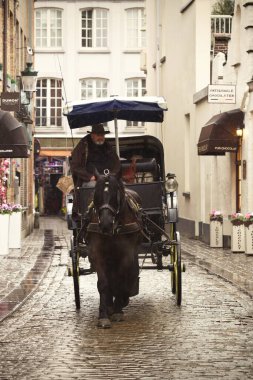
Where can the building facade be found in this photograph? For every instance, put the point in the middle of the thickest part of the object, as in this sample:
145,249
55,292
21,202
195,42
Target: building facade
16,49
181,64
84,50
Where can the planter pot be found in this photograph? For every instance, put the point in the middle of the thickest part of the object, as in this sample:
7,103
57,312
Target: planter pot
249,239
15,230
4,234
238,238
216,234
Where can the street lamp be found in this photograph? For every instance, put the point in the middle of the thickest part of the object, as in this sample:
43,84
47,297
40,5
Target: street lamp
29,80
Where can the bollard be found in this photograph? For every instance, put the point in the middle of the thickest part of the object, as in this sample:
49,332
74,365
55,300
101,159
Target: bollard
37,220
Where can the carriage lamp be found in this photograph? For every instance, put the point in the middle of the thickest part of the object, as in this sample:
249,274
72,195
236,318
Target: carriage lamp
29,80
171,183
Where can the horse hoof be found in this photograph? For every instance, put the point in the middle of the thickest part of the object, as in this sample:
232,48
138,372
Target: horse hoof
104,323
117,317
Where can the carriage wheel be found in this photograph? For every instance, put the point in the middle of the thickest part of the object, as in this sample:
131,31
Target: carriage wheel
75,272
178,270
172,260
173,276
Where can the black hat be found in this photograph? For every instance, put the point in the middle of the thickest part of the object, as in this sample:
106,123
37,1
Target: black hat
99,129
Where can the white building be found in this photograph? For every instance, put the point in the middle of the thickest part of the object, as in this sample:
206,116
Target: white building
180,68
84,49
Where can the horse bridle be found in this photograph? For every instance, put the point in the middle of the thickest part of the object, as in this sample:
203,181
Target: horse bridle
107,206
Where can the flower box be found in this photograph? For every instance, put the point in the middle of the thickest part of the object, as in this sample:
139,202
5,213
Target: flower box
15,230
248,223
249,239
216,229
216,234
4,234
238,238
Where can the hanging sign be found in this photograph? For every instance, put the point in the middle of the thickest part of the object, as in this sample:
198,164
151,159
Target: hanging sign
10,101
221,93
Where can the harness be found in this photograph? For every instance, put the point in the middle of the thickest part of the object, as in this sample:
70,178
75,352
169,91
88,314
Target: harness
118,229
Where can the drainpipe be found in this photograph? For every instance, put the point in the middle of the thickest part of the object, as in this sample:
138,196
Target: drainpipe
158,128
158,47
5,45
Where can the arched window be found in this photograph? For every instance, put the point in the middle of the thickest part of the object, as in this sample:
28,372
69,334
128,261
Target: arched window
94,30
49,103
94,88
48,28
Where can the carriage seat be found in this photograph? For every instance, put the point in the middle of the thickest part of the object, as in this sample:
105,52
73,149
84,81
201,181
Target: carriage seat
141,170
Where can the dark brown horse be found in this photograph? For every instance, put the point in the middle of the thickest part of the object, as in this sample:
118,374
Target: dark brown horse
113,237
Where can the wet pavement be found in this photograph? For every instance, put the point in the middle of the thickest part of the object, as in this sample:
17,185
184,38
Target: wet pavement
236,268
209,337
23,269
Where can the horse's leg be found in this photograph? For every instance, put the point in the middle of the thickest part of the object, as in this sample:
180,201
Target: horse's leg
103,318
102,284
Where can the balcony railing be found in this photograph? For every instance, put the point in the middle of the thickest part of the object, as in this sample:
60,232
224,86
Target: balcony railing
221,24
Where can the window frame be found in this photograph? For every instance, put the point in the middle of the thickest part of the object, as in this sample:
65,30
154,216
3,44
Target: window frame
48,29
140,31
141,91
94,88
94,28
48,98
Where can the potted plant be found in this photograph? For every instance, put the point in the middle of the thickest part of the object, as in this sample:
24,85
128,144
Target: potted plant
238,232
15,226
216,229
5,211
248,223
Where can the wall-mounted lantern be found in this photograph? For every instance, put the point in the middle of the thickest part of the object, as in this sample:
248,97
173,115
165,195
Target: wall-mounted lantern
239,132
29,80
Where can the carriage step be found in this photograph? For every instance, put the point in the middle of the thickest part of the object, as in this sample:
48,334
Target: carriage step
83,272
154,267
169,267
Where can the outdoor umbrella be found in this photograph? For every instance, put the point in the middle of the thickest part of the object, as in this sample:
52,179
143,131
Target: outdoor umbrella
102,110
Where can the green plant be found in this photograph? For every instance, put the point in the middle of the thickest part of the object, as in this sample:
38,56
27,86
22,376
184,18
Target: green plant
216,215
237,219
223,7
5,208
248,219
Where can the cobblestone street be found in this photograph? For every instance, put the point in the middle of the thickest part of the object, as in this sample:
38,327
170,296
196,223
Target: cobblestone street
209,337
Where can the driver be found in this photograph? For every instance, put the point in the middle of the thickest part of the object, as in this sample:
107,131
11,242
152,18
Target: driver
92,152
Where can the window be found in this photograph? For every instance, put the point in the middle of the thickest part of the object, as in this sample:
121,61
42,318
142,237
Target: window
94,28
93,88
135,87
49,103
48,25
136,33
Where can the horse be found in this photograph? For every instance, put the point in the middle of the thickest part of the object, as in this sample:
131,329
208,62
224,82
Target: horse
113,237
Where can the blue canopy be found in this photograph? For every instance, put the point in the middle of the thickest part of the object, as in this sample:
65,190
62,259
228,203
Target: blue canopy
145,109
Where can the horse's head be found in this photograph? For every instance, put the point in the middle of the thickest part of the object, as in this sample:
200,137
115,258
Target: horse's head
108,199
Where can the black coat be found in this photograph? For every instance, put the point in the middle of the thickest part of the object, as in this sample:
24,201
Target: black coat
87,155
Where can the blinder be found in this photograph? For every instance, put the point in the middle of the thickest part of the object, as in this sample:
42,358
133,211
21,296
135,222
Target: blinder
107,206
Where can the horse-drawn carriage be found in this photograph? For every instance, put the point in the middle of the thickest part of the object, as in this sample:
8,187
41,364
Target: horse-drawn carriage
138,217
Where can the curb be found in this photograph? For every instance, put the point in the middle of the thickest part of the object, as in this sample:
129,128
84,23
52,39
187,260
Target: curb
232,277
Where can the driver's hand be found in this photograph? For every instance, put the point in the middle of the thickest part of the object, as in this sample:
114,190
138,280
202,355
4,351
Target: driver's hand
93,178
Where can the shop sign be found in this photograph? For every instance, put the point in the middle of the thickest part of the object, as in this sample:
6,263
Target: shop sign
224,93
10,101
